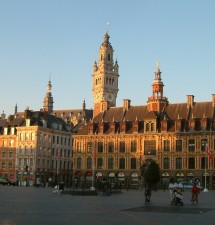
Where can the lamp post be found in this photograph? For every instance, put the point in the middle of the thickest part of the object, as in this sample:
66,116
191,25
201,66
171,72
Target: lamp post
205,189
93,166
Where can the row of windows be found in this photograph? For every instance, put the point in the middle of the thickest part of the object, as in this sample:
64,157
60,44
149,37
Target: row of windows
26,150
109,81
45,137
6,166
61,152
42,151
52,164
108,57
110,163
110,147
9,143
27,136
61,140
149,146
6,154
191,163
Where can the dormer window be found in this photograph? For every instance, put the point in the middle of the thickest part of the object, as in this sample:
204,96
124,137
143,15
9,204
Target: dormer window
112,127
178,125
204,123
123,127
164,125
149,126
192,124
12,130
101,129
5,130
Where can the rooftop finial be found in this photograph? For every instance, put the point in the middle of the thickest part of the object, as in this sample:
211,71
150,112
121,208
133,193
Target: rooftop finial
107,27
158,64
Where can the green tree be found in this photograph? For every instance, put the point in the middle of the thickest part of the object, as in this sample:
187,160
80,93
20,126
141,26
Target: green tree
152,174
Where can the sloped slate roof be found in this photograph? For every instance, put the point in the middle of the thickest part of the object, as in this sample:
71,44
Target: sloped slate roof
140,113
36,118
67,113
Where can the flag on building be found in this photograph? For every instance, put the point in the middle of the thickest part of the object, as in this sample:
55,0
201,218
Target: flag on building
58,154
209,154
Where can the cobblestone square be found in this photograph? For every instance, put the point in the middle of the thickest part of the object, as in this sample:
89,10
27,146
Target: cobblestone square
39,206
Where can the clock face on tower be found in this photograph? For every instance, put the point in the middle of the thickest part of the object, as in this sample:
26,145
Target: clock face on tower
109,97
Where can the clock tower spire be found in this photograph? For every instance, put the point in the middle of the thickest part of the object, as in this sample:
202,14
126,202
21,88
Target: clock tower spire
157,102
105,78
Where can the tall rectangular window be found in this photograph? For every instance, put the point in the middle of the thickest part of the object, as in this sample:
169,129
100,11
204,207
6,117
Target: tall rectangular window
178,145
204,162
53,139
100,146
133,146
79,146
110,163
89,147
191,145
203,144
166,145
79,163
178,163
89,163
133,163
20,162
122,163
150,147
122,146
99,163
191,163
110,147
166,163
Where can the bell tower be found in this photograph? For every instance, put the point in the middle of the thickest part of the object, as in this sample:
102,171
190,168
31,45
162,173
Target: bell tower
48,100
105,78
157,102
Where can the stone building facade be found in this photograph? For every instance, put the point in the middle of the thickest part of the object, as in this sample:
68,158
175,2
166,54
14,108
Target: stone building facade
35,148
110,142
119,140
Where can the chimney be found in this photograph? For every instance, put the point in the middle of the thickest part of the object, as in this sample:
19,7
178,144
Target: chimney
190,101
126,104
213,100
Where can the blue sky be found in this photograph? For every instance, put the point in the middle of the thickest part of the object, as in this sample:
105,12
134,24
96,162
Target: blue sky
62,38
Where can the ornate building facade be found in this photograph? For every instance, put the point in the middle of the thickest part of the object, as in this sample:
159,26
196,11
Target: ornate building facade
118,141
111,142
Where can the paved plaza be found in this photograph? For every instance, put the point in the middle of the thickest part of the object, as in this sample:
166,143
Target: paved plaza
39,206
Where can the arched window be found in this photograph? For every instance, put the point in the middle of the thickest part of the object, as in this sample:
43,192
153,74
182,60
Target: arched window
108,57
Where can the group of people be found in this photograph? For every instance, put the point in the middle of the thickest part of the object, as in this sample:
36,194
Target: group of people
175,191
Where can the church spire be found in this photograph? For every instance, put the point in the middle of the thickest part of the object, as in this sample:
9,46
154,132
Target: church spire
48,100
